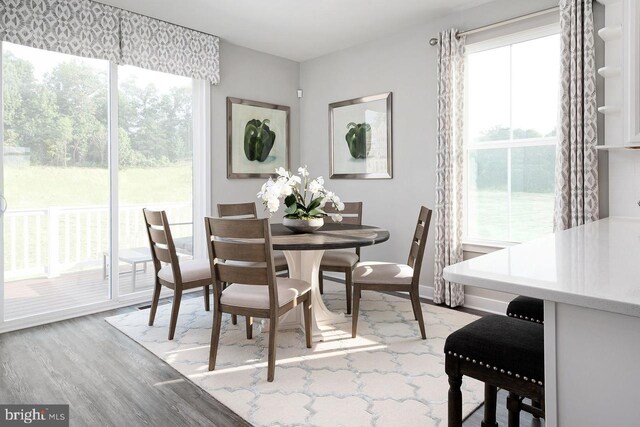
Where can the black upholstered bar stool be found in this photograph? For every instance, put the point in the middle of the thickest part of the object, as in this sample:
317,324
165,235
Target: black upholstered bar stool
504,353
526,308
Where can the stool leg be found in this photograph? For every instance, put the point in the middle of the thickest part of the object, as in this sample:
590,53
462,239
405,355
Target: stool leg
455,401
513,405
490,402
536,404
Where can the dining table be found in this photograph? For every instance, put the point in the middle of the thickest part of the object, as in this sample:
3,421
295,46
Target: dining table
304,252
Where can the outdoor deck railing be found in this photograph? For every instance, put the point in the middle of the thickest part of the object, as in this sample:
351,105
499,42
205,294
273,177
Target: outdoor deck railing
56,240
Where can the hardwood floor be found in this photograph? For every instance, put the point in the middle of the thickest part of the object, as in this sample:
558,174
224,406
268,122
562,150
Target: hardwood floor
109,380
105,377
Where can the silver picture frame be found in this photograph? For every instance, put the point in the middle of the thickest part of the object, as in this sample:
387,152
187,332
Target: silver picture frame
372,159
241,167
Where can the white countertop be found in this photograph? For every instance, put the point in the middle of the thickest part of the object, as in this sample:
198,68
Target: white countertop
595,265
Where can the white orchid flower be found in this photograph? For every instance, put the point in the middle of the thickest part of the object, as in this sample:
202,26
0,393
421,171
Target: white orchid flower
273,204
303,171
315,186
336,217
282,172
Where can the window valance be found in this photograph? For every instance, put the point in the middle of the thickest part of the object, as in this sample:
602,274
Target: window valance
94,30
77,27
158,45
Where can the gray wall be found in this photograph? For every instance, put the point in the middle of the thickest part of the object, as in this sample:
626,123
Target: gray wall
249,74
405,65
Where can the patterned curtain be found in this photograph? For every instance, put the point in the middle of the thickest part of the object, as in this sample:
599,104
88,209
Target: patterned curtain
160,46
449,158
576,156
76,27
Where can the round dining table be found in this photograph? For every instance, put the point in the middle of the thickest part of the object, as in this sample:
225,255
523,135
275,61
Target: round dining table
304,252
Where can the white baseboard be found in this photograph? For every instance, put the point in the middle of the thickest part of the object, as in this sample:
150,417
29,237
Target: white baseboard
472,301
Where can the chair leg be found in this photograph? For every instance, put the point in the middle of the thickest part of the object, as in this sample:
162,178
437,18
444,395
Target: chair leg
177,297
215,339
490,402
234,319
154,302
348,282
249,322
513,406
455,401
271,365
207,306
320,282
417,311
356,308
307,319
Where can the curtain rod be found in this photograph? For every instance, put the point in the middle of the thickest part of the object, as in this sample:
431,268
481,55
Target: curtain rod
434,41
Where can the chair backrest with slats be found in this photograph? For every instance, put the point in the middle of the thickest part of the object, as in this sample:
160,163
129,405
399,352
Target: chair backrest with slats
237,210
351,214
240,252
161,242
419,242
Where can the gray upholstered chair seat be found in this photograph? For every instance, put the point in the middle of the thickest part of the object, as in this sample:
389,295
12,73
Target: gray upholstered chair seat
257,296
382,272
191,270
339,259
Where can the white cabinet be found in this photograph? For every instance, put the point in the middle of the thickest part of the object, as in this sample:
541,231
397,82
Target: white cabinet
631,57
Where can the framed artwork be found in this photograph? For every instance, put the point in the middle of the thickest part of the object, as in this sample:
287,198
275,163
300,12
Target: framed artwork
360,145
257,138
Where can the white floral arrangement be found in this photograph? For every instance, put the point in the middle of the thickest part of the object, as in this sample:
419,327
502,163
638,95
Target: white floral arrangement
289,188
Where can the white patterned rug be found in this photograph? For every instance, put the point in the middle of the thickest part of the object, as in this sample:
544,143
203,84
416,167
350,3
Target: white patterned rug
387,376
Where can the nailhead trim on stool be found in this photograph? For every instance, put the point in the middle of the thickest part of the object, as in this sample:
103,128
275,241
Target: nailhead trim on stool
502,371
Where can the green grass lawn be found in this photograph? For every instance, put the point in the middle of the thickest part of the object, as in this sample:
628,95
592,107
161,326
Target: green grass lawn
531,215
83,236
44,186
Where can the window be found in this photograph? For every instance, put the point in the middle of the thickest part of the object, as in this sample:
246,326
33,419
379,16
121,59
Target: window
512,87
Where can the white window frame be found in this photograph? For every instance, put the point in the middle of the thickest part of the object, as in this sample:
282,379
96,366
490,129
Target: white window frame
201,99
486,245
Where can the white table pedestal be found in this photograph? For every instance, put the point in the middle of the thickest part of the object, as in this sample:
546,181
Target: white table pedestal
305,265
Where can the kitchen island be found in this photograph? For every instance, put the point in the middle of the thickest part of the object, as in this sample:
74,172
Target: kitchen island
589,278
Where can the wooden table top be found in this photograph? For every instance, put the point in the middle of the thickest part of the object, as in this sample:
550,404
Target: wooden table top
329,236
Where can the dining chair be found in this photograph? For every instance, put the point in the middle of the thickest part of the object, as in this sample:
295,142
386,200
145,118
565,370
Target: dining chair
341,261
179,275
240,253
248,211
387,276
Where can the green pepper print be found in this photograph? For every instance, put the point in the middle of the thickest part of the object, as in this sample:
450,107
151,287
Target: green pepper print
258,140
357,140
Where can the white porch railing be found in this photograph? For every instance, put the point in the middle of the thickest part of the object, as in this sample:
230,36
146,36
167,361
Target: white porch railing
56,240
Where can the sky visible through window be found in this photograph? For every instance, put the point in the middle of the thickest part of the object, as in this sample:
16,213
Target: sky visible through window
514,87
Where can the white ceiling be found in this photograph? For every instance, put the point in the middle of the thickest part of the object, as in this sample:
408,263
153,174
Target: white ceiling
296,29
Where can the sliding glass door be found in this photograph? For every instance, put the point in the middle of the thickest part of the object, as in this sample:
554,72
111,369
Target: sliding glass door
55,181
155,167
75,190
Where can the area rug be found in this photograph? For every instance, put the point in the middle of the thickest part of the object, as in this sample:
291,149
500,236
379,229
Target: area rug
387,376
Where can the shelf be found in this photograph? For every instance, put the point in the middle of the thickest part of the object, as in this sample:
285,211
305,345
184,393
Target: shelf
608,109
610,33
608,72
633,147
